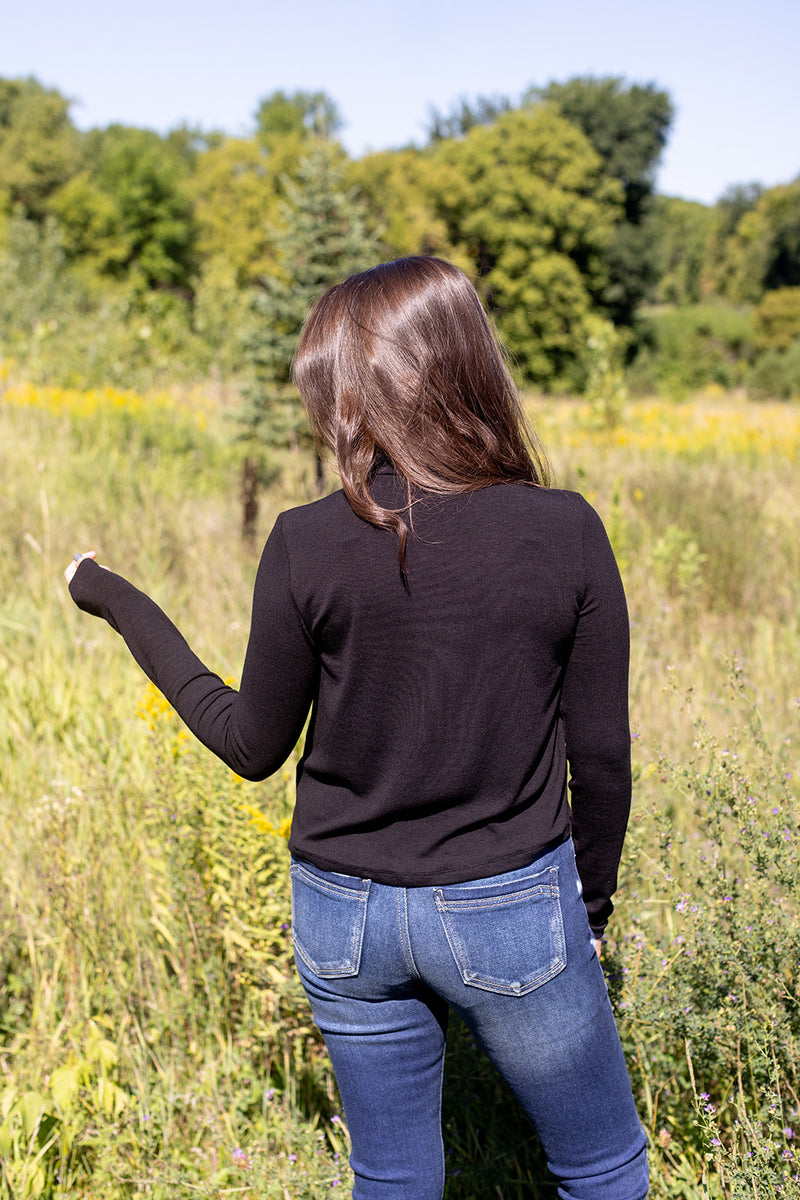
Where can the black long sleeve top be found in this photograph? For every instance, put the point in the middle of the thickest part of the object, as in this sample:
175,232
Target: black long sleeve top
444,710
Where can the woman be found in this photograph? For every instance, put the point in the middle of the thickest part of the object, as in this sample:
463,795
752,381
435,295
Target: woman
458,631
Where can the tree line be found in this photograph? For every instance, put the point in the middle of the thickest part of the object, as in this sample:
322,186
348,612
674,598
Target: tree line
124,253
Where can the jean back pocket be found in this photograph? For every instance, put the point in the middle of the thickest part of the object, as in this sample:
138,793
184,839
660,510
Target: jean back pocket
329,912
506,937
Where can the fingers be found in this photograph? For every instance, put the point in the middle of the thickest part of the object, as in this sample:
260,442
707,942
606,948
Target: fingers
76,559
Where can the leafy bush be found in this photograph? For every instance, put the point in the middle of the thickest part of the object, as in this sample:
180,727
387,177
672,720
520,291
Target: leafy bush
777,319
776,374
707,981
68,328
689,347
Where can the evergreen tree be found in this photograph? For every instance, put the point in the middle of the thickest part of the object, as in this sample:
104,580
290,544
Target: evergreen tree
324,238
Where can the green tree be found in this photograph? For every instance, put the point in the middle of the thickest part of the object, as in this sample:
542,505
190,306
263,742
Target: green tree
40,149
402,190
465,115
129,211
764,251
323,239
628,126
236,195
777,319
238,186
681,231
91,228
528,198
302,115
780,210
735,201
33,287
718,264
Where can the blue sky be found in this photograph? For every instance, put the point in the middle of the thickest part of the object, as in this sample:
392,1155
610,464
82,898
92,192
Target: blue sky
730,68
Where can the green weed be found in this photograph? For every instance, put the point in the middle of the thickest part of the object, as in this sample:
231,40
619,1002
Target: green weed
154,1040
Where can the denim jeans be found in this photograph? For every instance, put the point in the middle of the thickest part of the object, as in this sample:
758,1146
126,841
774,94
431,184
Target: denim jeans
513,955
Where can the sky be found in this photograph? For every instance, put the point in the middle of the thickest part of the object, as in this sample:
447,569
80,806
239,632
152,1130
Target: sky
730,68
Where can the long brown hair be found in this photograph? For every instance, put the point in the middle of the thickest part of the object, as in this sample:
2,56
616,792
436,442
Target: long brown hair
401,363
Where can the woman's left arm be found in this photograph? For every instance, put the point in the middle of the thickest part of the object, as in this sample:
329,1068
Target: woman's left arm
594,710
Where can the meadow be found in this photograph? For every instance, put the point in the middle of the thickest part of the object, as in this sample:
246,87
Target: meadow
153,1039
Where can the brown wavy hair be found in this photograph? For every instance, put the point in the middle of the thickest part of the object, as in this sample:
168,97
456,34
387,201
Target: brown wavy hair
400,363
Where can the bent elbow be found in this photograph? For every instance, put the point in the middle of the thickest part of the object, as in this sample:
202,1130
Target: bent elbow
254,772
256,767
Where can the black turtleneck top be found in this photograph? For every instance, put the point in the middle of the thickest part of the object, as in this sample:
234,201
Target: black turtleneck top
444,708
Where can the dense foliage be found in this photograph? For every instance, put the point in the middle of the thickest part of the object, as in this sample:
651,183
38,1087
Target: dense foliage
130,256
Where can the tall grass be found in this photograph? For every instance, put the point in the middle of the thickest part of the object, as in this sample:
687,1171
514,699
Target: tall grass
154,1039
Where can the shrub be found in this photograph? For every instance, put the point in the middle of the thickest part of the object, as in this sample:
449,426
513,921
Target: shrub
697,345
777,319
707,980
776,374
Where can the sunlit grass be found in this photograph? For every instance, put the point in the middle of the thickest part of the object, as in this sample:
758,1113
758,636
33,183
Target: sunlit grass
707,427
148,1009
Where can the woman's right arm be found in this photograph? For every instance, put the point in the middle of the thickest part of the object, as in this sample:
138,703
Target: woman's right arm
252,729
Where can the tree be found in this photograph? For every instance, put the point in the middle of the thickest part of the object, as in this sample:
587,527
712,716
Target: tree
323,239
764,252
402,190
236,195
33,286
628,126
303,115
735,201
777,319
780,210
129,210
528,199
91,227
681,230
719,262
465,115
40,149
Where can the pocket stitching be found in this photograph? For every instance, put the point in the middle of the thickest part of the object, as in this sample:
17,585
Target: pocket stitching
350,966
473,978
510,898
328,885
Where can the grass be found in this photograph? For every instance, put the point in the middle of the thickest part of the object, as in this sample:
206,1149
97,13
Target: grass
153,1038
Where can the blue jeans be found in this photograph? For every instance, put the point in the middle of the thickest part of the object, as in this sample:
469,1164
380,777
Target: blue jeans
513,955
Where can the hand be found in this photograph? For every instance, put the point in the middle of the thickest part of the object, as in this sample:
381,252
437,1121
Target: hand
73,566
597,946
